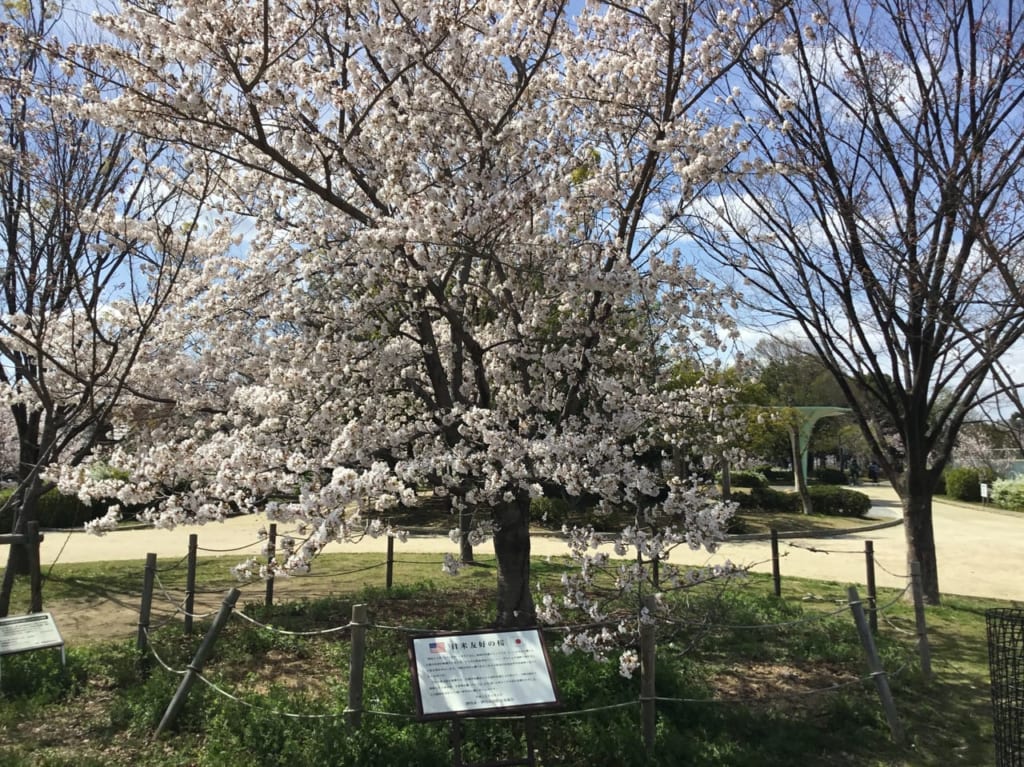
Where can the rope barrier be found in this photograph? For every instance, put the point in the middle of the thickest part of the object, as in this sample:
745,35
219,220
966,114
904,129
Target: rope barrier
179,608
818,550
228,551
59,553
884,569
785,694
894,600
159,660
751,627
277,712
408,630
315,574
285,632
175,566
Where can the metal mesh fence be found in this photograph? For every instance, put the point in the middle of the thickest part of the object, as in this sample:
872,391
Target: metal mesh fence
1005,628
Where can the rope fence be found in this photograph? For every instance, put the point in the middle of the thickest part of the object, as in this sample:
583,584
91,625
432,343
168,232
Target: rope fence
865,613
647,701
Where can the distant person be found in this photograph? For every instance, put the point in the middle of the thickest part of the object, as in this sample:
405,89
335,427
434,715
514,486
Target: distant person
873,470
854,472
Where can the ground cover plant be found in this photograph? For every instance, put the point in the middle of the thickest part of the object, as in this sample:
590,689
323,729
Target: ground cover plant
731,694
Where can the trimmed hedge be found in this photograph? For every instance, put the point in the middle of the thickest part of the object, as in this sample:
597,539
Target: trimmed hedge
54,510
829,500
838,501
766,499
745,479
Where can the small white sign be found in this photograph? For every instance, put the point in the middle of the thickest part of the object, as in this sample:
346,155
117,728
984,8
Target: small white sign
481,671
28,632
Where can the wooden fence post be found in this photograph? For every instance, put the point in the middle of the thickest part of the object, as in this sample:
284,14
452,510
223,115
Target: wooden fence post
389,567
776,574
271,552
148,577
190,581
923,648
357,662
869,556
196,666
867,639
32,539
648,690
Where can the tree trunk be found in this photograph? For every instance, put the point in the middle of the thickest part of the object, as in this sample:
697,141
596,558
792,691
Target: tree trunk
512,549
465,547
917,525
17,555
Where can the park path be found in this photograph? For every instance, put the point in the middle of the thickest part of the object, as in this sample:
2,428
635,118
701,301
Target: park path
980,552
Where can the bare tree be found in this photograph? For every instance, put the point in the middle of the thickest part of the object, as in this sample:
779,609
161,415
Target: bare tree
890,228
93,229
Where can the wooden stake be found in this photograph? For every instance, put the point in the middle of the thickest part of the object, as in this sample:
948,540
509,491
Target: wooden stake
867,639
776,574
190,582
357,661
869,556
148,577
389,568
196,666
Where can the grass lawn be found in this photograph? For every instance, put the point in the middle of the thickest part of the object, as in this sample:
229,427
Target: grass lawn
740,677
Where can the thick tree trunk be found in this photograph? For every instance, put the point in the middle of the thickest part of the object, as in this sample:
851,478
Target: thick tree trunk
465,547
917,525
512,549
17,556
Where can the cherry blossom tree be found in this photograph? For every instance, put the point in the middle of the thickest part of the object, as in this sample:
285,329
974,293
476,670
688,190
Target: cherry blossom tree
457,273
93,235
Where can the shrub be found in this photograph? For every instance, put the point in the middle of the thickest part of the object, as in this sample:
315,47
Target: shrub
963,483
1008,494
766,499
55,510
746,479
838,501
830,476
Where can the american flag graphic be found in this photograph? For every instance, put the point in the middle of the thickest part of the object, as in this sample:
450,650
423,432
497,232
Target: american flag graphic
437,647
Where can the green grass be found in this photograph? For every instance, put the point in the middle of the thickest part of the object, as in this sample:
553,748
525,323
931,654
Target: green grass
733,696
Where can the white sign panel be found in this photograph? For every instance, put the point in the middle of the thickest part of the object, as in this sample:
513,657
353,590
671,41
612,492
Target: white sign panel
28,632
481,671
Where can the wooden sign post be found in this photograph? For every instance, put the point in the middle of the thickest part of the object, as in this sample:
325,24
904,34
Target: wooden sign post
480,673
24,633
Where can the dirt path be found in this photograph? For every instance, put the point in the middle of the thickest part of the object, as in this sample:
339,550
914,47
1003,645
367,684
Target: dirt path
979,553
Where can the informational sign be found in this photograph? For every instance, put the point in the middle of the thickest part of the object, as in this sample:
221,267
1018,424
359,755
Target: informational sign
481,672
28,632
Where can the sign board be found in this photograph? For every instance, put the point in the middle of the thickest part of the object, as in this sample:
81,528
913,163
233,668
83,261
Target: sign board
984,491
481,672
28,632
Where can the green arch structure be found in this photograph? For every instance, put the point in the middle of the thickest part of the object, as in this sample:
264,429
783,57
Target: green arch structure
807,418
